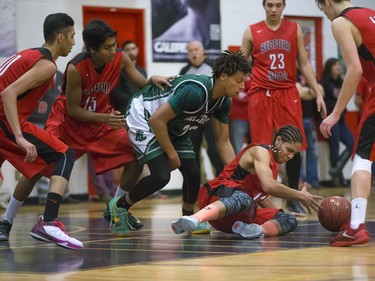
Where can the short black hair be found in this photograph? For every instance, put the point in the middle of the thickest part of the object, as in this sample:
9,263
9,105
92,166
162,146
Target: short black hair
95,33
230,62
55,24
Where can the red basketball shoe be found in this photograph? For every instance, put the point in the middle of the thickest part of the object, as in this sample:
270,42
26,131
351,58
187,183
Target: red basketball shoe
350,236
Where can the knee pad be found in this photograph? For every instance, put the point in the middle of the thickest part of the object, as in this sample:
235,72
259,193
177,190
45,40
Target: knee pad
360,164
64,164
287,222
238,202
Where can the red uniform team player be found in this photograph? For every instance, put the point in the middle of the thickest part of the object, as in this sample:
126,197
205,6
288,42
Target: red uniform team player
274,45
353,29
229,202
24,79
82,116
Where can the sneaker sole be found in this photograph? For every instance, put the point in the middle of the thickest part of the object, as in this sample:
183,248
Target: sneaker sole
4,238
182,225
350,243
201,231
239,228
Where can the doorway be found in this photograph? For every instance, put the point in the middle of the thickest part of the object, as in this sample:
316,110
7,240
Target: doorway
129,24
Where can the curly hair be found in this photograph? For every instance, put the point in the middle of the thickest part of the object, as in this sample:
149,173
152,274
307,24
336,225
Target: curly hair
230,62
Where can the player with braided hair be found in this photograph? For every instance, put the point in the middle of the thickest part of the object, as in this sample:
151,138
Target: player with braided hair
237,200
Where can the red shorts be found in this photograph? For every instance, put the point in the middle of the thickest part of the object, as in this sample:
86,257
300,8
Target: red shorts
257,215
269,110
46,144
109,148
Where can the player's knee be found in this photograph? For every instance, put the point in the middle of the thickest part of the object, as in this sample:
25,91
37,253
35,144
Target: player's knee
64,164
70,154
238,202
361,164
287,222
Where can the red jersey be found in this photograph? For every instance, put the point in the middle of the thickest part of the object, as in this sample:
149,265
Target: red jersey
274,55
13,68
234,176
364,20
97,138
96,84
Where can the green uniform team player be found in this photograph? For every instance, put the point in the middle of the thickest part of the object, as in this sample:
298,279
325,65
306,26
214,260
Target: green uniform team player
158,124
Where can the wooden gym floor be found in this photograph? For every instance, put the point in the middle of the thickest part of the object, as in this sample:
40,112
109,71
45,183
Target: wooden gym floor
156,253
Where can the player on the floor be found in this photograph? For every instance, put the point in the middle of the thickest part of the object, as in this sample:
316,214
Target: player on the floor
159,124
24,79
353,29
230,202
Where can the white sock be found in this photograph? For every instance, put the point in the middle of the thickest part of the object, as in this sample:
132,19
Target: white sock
358,216
120,192
12,209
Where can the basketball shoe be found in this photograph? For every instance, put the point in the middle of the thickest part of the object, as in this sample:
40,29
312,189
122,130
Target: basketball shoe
55,232
203,228
349,236
185,224
134,222
5,227
247,231
295,208
119,223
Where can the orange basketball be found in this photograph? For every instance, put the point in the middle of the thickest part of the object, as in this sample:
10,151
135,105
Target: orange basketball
334,213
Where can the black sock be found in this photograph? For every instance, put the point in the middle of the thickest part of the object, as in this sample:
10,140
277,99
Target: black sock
187,213
52,206
293,170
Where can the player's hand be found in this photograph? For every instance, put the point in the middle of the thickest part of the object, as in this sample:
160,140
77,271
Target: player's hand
321,106
309,200
174,161
28,148
115,119
328,123
159,81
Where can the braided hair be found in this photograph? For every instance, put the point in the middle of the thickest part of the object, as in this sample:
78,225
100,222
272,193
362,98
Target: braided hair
289,134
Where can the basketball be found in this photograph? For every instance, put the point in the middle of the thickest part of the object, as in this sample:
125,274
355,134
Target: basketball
334,213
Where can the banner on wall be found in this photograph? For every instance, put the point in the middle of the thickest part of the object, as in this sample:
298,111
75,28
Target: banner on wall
8,43
176,22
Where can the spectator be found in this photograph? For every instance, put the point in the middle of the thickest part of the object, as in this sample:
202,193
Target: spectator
340,132
309,170
239,128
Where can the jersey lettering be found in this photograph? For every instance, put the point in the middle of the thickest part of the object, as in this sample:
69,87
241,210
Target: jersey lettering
98,87
372,18
8,63
277,75
187,128
274,45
